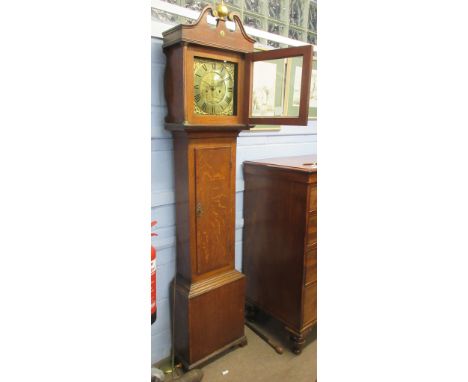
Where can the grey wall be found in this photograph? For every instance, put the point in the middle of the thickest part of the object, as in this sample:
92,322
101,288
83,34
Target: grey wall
291,140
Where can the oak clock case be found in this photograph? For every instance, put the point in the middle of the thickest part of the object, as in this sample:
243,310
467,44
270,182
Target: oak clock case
209,80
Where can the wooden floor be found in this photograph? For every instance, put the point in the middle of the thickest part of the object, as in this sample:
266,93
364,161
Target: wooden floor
258,362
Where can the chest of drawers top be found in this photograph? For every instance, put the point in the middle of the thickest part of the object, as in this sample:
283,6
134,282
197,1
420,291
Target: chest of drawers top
300,168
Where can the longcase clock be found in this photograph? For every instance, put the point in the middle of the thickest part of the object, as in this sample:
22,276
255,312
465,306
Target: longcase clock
216,86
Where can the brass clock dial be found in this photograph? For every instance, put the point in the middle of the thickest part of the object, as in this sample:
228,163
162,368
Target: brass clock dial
214,87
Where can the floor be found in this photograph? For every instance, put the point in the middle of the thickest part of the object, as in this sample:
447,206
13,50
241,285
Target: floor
258,362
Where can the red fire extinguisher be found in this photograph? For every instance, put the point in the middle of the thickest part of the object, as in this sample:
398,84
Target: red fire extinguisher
154,310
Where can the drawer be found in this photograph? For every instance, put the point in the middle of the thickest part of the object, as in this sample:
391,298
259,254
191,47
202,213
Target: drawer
310,304
311,228
310,267
312,198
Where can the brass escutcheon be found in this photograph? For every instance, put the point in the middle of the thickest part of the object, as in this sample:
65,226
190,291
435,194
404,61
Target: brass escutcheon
199,209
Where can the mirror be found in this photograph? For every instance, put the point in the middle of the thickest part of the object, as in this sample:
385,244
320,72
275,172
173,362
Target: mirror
276,89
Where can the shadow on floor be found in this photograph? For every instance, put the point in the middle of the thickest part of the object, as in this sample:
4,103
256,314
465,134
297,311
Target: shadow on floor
258,362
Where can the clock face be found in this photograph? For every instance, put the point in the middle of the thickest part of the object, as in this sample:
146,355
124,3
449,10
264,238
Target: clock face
214,87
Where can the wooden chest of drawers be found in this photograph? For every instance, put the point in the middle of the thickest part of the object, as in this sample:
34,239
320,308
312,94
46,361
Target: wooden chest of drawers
280,241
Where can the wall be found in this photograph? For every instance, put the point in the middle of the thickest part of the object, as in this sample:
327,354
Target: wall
250,145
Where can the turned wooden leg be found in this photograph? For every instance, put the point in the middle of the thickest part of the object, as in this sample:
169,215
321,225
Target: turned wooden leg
243,342
297,343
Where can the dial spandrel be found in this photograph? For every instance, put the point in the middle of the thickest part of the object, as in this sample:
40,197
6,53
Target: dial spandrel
214,87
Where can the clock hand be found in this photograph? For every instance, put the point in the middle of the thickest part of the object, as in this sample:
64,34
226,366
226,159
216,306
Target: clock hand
209,84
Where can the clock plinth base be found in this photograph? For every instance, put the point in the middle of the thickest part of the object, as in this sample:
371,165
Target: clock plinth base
209,317
241,342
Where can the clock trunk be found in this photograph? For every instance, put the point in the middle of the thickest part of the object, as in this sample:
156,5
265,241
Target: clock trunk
209,304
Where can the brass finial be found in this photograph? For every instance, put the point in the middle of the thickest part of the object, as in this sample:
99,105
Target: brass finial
222,10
